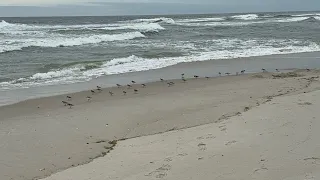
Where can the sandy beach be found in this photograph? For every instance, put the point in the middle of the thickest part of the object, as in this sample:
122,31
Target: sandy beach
252,126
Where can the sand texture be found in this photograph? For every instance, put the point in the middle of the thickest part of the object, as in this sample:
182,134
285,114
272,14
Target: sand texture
256,126
277,140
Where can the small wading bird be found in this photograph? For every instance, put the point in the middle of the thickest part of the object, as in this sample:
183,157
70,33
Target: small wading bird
277,70
184,80
161,79
242,72
99,88
89,98
133,82
143,85
70,105
219,73
118,85
129,86
93,92
195,76
69,98
207,77
124,92
228,74
111,93
135,91
65,103
170,84
264,70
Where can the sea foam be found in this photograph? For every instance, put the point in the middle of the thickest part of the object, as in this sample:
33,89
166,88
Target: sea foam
246,17
62,41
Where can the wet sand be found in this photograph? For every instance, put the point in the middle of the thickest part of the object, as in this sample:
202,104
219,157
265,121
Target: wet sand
203,68
40,137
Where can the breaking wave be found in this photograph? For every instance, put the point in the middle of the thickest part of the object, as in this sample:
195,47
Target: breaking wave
246,17
62,41
220,49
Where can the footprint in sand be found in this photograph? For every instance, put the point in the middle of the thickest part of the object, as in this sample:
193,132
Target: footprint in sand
305,104
230,142
208,136
168,159
262,169
223,128
183,154
161,172
202,146
313,160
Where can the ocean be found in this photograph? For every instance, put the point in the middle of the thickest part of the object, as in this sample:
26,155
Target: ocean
49,51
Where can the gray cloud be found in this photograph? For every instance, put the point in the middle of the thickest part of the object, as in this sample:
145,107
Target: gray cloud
142,7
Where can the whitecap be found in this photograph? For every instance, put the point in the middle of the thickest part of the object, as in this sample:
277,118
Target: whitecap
246,17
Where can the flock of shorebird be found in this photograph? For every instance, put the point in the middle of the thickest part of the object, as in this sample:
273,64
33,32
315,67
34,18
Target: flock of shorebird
98,89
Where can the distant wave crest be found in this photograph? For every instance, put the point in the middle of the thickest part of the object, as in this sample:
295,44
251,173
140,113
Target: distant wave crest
246,17
62,41
155,20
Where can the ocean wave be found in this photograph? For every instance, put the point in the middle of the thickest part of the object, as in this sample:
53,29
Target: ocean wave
4,25
317,18
23,29
154,20
200,20
62,41
246,23
223,49
304,15
146,27
246,17
295,19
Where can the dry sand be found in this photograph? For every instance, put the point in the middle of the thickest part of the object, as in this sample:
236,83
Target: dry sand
40,137
277,140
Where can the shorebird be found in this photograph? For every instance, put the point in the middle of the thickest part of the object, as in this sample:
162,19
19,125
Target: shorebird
124,92
89,98
133,82
184,80
242,72
195,76
207,77
277,70
93,92
219,73
170,84
143,85
111,93
308,69
70,105
264,70
182,75
118,85
69,98
135,91
65,103
161,79
228,74
129,86
99,88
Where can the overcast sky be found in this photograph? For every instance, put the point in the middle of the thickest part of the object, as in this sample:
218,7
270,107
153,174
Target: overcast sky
137,7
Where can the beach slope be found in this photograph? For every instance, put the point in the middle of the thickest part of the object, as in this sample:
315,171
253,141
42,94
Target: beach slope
277,140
